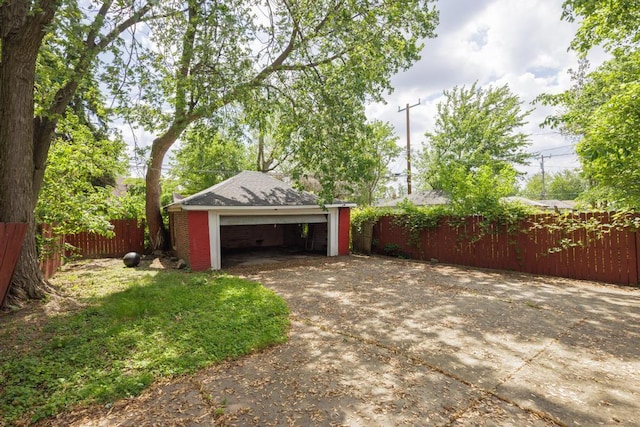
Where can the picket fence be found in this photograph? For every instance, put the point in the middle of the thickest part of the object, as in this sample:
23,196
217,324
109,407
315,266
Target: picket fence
607,254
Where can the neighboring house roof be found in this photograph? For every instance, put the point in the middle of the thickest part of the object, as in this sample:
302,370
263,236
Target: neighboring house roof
120,189
422,198
255,189
176,197
559,204
524,201
433,198
544,204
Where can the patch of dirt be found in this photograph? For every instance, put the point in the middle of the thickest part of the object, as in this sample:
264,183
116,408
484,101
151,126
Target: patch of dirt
91,264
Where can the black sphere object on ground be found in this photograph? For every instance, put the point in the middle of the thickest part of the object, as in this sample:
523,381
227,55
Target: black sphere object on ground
132,259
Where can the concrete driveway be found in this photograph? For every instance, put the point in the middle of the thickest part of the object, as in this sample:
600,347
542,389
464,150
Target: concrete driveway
380,341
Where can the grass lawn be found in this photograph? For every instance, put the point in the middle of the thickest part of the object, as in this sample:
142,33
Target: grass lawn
129,328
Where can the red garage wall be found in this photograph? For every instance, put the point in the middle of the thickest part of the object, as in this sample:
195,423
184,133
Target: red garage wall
344,226
199,247
179,225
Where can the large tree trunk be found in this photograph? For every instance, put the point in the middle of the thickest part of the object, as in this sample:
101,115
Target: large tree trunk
158,235
28,281
21,35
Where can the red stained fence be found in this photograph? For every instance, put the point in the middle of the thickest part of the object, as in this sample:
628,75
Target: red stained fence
11,236
53,246
129,237
603,253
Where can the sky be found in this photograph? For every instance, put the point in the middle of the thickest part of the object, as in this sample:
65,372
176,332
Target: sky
522,43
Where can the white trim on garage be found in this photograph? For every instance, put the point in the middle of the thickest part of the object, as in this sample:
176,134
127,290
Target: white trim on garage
282,210
270,216
271,219
214,241
332,230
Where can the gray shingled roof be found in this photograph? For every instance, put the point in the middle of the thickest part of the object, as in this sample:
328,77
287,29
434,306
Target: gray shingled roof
421,198
251,189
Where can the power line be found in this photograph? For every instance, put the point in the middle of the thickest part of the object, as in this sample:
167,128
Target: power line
537,154
547,133
558,148
561,155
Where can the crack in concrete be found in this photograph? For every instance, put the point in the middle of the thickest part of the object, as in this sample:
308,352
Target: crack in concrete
417,361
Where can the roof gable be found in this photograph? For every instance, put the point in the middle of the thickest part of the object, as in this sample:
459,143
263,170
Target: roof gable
250,189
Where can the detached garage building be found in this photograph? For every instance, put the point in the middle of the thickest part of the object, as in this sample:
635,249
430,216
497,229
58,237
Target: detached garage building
252,210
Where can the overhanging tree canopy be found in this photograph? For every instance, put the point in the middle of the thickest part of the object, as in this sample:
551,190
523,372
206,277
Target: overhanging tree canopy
323,58
190,59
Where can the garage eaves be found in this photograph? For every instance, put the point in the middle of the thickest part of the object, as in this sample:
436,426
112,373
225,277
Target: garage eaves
253,191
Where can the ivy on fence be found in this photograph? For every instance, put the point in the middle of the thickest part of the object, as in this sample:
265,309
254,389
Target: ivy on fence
599,246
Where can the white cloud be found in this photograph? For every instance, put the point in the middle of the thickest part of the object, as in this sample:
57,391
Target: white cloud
520,43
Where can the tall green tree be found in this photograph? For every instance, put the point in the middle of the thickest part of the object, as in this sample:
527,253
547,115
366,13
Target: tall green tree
474,127
612,24
77,192
323,59
601,110
479,191
380,149
209,154
85,156
22,28
271,123
566,185
76,34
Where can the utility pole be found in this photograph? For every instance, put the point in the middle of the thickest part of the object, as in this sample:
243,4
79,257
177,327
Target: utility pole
407,108
543,196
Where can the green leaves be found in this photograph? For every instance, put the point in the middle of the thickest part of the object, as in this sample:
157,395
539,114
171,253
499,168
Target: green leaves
610,23
77,193
566,185
375,149
207,155
474,128
478,192
602,110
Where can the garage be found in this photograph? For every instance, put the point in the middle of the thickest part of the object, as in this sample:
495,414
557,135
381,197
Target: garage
250,211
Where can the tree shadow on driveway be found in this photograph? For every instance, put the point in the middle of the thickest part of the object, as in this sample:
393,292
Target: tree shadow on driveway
380,341
564,350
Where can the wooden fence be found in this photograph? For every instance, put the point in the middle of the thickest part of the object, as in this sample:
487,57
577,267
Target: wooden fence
53,246
11,236
128,237
604,253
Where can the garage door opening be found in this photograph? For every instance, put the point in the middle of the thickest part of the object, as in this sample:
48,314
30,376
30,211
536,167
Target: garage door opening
270,243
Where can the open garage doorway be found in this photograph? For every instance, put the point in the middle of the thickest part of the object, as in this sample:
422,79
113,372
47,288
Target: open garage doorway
271,243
